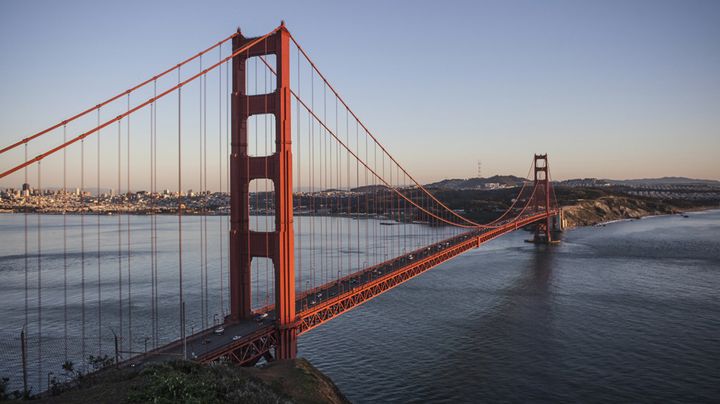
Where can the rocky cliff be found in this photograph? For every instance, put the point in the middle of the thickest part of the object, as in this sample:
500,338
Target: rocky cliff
605,209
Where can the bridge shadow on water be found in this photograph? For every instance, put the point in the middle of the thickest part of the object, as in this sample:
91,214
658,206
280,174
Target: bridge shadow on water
504,351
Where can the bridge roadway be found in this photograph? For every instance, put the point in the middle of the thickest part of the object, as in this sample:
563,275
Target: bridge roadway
247,341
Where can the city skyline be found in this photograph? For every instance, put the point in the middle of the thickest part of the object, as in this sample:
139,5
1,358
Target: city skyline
609,91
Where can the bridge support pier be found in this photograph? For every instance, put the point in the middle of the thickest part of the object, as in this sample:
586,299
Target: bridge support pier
543,234
246,244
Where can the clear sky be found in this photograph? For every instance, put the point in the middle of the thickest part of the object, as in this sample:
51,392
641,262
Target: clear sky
610,89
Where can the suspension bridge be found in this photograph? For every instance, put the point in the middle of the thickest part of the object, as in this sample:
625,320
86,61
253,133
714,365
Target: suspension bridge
298,215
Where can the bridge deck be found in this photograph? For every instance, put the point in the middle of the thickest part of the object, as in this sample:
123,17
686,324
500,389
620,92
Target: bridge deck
247,341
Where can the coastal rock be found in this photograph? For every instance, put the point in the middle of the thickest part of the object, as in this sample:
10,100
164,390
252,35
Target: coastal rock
605,209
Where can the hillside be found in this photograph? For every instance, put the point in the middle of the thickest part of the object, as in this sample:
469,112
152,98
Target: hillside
608,208
478,183
292,381
640,182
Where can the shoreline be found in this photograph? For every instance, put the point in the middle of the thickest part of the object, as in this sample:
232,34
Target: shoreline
571,214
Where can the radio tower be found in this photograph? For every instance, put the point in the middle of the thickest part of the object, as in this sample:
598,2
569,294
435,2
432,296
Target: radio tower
479,173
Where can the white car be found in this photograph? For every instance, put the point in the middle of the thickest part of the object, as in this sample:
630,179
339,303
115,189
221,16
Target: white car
219,331
237,337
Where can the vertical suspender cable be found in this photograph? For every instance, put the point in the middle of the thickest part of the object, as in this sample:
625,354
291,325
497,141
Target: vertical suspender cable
338,185
311,197
350,178
377,229
130,201
154,217
311,171
99,291
385,242
339,207
200,189
220,179
339,198
179,215
367,204
205,198
357,182
39,279
25,216
65,266
402,205
152,224
119,224
82,252
327,171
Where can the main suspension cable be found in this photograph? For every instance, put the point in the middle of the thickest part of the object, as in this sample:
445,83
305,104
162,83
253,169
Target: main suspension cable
324,126
115,97
132,110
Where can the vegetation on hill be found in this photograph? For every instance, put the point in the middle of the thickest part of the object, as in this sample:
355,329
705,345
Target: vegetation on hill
292,381
477,183
583,205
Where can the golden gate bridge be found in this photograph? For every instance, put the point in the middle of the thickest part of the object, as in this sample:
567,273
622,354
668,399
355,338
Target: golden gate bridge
322,218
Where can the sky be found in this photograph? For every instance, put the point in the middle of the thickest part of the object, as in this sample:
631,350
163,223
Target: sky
609,89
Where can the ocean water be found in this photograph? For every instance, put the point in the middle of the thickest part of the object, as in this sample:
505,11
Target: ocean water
86,279
629,312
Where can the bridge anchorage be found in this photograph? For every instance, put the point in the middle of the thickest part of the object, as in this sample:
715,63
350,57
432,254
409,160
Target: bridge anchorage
344,220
